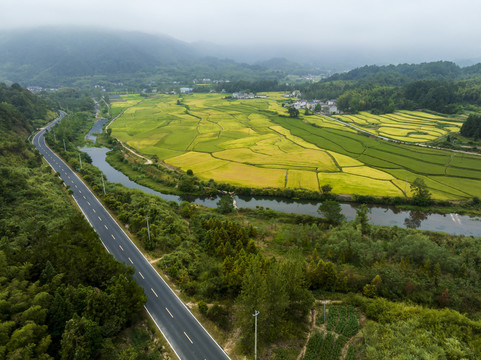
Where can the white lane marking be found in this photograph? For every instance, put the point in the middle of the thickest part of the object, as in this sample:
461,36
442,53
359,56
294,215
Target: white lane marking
121,248
80,191
88,203
72,181
99,218
84,197
452,217
105,226
188,338
113,237
169,313
94,210
141,275
76,186
154,292
131,261
68,177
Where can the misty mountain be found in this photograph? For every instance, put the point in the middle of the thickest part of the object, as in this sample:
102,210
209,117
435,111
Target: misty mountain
53,56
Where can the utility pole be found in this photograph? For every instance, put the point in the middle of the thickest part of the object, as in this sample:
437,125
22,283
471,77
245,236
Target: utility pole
255,334
64,147
80,159
103,183
148,229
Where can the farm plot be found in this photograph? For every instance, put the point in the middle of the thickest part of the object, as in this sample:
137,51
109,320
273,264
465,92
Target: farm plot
454,174
342,324
245,142
408,126
123,102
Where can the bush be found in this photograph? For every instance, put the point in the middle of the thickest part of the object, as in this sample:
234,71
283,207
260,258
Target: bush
203,308
219,315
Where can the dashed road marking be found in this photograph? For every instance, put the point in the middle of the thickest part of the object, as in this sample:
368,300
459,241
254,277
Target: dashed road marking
113,237
141,275
154,292
172,316
188,338
131,261
121,248
88,203
84,197
105,226
99,218
94,210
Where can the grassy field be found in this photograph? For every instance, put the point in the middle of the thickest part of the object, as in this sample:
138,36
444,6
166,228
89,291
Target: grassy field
125,101
247,143
409,126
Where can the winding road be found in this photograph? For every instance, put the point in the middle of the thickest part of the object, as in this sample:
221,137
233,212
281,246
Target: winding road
186,336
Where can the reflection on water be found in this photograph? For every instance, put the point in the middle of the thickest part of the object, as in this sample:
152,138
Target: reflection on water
415,219
380,215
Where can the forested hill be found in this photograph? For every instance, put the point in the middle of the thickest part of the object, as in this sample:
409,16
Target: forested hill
54,57
404,73
61,294
20,110
438,86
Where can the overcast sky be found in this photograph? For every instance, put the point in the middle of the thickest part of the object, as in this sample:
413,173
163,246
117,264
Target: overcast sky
436,26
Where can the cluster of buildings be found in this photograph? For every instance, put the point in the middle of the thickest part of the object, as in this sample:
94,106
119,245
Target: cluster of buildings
328,107
241,95
37,89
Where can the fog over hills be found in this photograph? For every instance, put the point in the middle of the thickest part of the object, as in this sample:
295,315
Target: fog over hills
58,56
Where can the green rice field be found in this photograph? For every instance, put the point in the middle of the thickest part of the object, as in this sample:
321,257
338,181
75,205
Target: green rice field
247,143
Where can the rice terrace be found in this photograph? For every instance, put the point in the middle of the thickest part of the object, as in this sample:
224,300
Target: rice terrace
254,143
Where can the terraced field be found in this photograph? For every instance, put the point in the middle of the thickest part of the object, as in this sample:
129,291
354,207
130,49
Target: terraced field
409,126
247,143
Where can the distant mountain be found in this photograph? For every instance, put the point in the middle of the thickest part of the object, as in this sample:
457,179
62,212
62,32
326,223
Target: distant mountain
59,56
52,55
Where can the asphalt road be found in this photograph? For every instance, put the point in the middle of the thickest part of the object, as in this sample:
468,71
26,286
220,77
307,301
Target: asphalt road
185,334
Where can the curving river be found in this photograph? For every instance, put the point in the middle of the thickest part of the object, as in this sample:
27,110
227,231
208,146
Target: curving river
388,216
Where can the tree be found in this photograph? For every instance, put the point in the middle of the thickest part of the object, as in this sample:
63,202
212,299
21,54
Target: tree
330,210
293,112
81,339
225,205
362,218
421,194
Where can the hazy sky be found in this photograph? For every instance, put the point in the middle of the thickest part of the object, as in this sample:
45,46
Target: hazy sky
446,27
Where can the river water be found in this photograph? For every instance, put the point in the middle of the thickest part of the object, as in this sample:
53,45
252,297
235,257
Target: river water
388,216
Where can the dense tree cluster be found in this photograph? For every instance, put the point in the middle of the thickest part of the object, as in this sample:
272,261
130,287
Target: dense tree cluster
472,127
62,295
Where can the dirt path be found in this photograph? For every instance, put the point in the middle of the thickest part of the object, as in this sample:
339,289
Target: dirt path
147,160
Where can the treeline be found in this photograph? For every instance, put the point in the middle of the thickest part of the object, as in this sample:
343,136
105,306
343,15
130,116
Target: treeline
404,73
70,100
253,86
62,295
